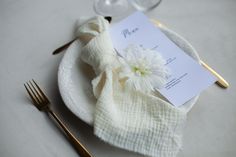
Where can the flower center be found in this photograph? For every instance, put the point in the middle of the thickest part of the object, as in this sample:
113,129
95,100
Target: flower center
141,69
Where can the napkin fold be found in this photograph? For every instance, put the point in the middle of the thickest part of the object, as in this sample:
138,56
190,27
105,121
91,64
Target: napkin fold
124,117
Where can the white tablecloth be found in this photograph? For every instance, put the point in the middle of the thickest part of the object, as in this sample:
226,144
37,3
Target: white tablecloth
30,30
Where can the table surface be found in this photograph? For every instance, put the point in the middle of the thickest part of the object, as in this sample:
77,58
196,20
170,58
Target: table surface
30,30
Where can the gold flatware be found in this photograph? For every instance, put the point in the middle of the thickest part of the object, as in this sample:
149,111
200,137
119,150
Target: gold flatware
220,80
41,101
65,46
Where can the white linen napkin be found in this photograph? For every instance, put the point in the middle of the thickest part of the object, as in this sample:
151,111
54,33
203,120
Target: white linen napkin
126,118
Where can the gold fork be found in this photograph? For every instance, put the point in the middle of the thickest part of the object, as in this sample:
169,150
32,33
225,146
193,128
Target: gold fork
41,101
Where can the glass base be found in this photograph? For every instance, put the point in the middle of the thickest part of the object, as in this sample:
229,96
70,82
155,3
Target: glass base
145,5
110,7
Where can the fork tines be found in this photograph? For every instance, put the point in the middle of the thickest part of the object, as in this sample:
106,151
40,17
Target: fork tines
36,94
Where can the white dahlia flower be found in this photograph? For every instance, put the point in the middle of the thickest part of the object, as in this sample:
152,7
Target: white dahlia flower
144,69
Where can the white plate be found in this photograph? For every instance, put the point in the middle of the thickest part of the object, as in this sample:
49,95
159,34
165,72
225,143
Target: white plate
74,79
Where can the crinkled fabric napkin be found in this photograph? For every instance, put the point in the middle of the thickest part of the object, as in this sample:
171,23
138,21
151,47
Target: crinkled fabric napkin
133,120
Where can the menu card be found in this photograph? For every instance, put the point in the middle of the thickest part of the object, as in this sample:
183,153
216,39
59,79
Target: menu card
188,78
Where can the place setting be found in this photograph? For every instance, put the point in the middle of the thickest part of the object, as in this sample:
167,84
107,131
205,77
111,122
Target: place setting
134,81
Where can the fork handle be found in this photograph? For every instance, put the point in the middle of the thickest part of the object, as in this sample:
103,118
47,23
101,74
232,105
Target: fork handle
76,143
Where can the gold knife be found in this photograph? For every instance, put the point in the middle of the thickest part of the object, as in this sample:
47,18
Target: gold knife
220,80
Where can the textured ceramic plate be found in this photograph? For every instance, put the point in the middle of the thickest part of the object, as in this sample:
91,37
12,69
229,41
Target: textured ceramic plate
74,79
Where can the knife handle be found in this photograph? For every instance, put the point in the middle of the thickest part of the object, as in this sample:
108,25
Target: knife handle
220,80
